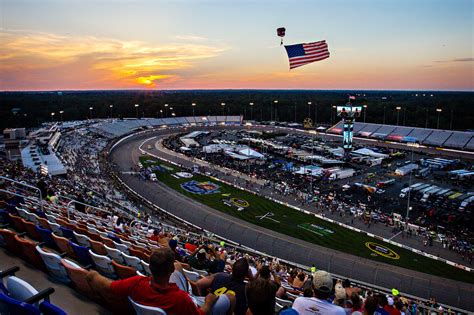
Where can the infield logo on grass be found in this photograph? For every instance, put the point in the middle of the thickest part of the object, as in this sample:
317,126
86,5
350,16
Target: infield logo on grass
316,229
382,250
200,188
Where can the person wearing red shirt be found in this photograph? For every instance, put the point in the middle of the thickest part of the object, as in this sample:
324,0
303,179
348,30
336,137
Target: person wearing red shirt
155,291
389,307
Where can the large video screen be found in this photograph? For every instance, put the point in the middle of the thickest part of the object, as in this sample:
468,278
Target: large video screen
348,111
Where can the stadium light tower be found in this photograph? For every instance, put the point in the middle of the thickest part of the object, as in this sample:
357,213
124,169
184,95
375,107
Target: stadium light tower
136,109
438,110
161,113
309,109
251,110
173,114
348,113
61,112
52,116
90,112
398,108
193,106
365,111
110,110
166,110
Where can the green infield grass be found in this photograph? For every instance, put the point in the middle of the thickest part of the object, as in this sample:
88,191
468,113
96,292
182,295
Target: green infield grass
303,226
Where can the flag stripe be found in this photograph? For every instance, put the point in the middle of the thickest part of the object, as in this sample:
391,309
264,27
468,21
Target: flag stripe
302,54
299,64
311,59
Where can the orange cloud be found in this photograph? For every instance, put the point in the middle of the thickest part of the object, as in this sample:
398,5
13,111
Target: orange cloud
43,57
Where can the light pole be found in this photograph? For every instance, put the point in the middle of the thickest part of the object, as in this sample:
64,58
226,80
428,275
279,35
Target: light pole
61,112
173,114
223,108
438,110
136,109
161,113
52,116
251,110
166,110
333,113
193,105
398,108
365,111
90,112
315,114
110,109
273,111
309,109
383,115
409,189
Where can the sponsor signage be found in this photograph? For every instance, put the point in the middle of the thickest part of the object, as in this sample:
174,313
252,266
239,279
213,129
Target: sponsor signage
382,250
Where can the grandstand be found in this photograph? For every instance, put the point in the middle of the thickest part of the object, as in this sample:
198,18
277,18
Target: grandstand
431,137
66,243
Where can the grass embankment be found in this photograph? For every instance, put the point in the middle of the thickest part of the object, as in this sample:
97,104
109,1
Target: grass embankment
303,226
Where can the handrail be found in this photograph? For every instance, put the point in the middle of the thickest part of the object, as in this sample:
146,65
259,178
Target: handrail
26,185
23,196
79,202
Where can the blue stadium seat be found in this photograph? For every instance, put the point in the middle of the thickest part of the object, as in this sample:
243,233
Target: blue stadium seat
82,255
47,308
67,233
46,237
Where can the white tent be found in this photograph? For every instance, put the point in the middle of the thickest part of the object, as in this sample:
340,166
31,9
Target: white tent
368,152
251,153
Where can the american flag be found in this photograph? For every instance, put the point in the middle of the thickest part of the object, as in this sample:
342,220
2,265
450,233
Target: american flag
302,54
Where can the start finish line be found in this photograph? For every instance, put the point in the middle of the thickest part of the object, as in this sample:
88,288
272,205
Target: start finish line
268,216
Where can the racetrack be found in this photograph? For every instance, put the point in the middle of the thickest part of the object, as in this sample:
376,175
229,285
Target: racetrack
447,291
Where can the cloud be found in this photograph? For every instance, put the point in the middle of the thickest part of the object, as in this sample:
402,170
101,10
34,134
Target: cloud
470,59
190,38
121,64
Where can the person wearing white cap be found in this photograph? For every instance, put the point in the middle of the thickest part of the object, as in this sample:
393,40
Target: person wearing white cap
318,304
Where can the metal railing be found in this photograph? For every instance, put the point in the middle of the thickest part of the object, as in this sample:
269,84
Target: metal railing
26,185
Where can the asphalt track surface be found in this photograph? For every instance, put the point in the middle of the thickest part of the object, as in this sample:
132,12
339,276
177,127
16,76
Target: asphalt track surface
451,292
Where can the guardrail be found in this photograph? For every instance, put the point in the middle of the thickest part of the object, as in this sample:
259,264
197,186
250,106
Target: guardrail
26,185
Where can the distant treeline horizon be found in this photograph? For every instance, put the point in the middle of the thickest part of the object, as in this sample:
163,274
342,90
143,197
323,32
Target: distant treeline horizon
448,110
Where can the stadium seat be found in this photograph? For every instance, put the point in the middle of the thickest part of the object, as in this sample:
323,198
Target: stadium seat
67,233
4,218
28,250
56,228
132,261
30,229
9,306
22,213
77,274
97,247
19,289
46,237
103,264
44,223
53,264
146,268
115,254
63,244
283,302
191,275
50,217
82,239
202,273
122,271
31,217
146,310
11,244
17,222
107,241
121,247
82,254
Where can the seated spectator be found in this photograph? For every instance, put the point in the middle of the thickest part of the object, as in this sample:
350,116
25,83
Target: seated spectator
322,287
156,290
300,280
381,302
260,297
370,305
173,244
206,258
389,308
356,304
221,283
156,236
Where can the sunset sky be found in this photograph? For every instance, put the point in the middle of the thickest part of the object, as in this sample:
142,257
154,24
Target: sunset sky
192,44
